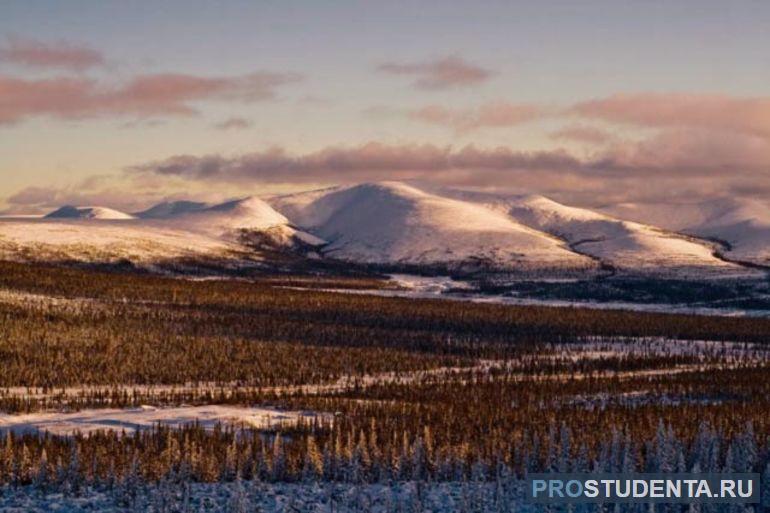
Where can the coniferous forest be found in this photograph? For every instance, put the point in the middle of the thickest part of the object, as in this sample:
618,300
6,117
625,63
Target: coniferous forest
390,404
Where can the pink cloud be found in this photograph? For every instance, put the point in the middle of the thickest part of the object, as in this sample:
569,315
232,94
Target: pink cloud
673,163
233,124
61,54
143,96
668,110
583,134
694,151
497,114
443,73
684,154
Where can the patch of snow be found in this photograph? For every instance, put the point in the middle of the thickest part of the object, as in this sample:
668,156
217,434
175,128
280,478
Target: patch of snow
146,417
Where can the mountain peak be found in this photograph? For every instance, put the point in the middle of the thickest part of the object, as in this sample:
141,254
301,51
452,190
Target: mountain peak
87,212
168,209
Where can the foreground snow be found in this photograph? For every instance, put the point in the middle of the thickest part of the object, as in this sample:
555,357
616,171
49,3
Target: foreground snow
147,417
481,497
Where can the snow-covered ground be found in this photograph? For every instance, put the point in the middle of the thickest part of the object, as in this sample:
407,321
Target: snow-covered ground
237,497
146,417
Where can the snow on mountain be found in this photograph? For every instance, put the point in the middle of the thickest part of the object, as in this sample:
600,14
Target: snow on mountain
395,223
742,225
248,217
169,209
623,244
392,223
102,241
170,232
73,212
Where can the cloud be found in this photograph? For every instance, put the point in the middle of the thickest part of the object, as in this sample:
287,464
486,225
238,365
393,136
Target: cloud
672,165
677,110
33,196
693,152
61,54
234,124
685,156
444,73
365,162
496,114
45,199
583,134
143,96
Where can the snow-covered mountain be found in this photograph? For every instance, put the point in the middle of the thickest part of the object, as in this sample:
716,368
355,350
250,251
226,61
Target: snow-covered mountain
248,219
169,209
395,224
72,212
165,233
103,241
742,226
621,244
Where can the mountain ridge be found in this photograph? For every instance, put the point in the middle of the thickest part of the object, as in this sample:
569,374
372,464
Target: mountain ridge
399,224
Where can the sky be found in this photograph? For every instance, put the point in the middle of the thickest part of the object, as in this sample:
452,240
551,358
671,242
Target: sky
595,102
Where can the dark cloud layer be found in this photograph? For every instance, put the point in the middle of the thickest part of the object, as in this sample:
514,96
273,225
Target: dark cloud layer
369,161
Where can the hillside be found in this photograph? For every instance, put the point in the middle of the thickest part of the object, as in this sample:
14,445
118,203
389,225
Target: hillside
398,225
102,241
394,223
742,225
72,212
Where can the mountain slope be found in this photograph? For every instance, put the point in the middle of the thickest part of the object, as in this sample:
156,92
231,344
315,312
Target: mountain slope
743,224
399,225
168,233
73,212
169,209
100,241
247,219
624,245
394,223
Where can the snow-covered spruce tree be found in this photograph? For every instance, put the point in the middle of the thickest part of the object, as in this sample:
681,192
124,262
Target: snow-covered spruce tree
7,460
278,460
313,465
73,479
42,474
